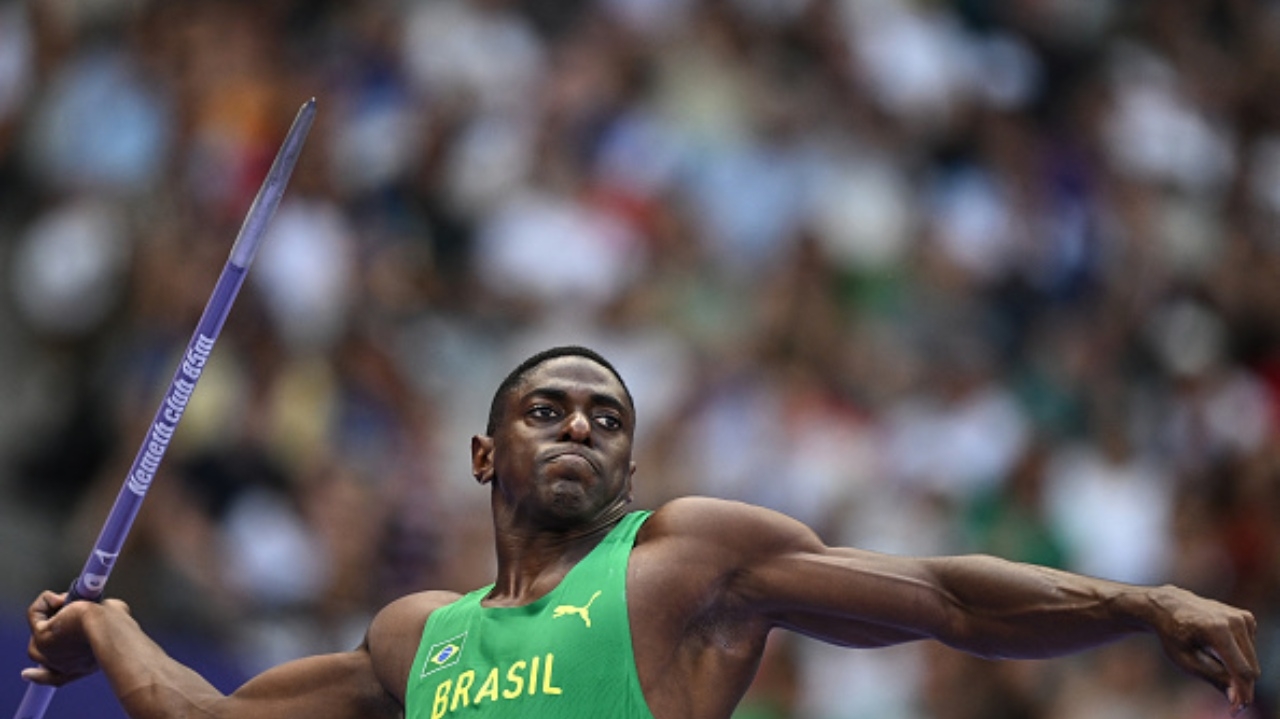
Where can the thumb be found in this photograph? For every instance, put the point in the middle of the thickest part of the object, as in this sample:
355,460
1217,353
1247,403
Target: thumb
44,675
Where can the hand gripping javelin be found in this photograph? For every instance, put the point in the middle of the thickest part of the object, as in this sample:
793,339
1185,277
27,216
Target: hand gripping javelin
93,577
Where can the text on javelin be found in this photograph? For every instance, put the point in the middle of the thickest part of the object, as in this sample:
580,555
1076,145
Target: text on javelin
175,403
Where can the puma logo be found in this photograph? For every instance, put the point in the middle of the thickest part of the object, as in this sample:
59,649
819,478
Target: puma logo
583,611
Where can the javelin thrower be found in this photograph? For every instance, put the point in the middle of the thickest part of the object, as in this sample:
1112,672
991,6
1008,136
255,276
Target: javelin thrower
598,609
93,578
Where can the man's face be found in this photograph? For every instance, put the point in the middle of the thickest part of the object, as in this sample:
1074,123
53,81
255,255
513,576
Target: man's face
563,447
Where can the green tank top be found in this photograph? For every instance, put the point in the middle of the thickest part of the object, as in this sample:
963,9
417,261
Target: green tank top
566,656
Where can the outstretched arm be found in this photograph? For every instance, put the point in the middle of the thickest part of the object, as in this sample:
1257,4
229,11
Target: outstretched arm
68,640
979,604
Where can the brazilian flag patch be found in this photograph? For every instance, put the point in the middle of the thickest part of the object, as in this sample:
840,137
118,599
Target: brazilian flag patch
443,655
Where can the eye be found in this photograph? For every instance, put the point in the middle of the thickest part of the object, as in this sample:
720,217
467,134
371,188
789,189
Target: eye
609,421
542,411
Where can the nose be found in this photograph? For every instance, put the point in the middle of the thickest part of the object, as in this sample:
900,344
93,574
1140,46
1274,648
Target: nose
577,428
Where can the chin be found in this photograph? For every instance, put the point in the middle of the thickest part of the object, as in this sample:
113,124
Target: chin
569,501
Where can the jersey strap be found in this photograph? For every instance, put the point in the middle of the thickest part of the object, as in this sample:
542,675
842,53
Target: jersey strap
567,655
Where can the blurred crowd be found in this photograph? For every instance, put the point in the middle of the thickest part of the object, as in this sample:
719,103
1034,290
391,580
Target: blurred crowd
934,276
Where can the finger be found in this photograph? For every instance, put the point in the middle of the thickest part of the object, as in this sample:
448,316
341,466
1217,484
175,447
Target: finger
47,671
1238,656
62,615
41,673
38,675
43,607
1239,696
45,675
1238,705
35,654
1208,663
45,663
1246,639
118,604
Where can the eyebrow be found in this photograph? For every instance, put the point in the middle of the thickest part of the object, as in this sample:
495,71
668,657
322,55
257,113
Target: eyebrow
600,398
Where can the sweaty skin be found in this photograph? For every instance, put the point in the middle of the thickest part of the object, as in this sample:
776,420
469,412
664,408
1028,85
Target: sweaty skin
707,581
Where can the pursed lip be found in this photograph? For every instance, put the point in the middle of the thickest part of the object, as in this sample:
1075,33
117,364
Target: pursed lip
559,452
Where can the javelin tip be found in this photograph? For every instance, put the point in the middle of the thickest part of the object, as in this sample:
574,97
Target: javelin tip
264,205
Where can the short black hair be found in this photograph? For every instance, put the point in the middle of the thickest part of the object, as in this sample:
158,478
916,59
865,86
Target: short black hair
524,368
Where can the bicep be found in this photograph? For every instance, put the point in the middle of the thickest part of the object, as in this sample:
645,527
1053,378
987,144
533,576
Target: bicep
779,569
758,563
850,597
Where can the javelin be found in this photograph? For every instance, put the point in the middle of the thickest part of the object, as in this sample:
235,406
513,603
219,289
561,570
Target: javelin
93,577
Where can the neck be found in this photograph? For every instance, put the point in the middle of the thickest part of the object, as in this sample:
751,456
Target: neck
532,561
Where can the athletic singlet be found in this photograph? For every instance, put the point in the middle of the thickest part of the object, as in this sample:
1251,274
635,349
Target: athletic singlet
566,656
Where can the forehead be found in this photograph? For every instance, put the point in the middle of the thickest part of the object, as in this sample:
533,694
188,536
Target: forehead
570,371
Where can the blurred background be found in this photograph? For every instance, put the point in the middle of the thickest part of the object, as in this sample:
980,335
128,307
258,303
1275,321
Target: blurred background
935,277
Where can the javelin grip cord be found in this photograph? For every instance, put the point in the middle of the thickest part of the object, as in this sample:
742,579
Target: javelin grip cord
93,578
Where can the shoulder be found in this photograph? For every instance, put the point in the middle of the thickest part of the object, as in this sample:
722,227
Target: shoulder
414,607
725,528
402,621
394,634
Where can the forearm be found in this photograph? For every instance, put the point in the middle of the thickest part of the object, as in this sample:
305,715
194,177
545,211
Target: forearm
997,608
983,605
151,685
147,681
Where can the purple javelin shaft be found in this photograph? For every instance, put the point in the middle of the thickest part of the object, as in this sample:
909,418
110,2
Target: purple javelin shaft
93,578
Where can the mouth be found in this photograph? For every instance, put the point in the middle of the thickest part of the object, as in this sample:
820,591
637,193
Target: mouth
571,458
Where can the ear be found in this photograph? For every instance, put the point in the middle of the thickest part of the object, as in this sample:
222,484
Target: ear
631,475
482,458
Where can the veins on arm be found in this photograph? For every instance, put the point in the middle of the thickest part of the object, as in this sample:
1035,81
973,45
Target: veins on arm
979,604
767,569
